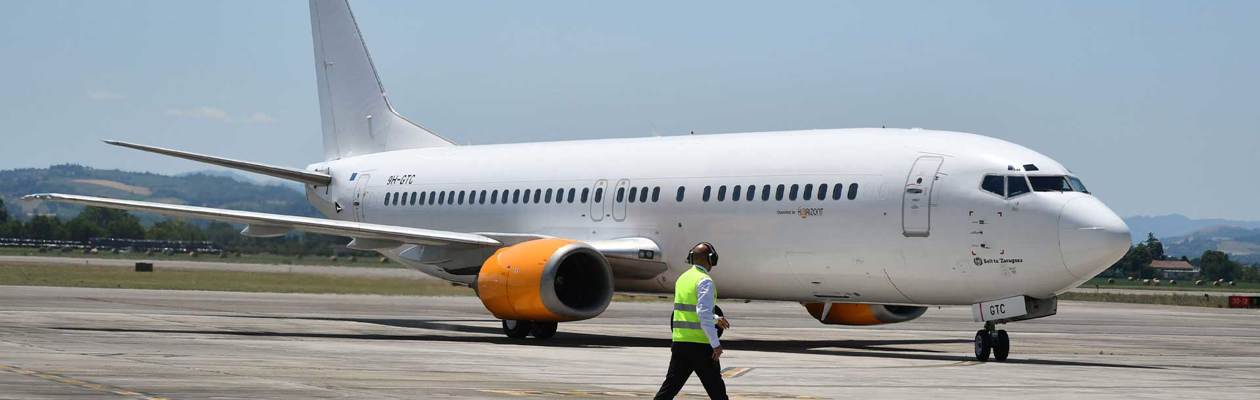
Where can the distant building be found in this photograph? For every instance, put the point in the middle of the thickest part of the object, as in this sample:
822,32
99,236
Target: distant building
1174,269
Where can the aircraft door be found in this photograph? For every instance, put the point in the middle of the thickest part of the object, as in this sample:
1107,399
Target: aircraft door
598,197
619,199
916,200
360,195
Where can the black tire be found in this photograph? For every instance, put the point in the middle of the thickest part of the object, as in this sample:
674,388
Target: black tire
1001,346
543,329
984,345
517,329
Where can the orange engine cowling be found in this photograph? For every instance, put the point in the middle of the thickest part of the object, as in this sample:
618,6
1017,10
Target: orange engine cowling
862,314
546,280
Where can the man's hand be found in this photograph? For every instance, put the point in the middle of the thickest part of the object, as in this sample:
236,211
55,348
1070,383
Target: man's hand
723,323
717,353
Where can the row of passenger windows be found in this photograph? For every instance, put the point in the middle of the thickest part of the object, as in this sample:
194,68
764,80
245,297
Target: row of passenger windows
526,196
643,194
806,192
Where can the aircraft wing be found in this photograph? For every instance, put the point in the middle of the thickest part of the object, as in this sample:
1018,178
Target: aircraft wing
263,224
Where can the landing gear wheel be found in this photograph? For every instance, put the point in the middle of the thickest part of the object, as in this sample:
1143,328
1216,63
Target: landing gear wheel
517,329
984,345
1001,346
543,329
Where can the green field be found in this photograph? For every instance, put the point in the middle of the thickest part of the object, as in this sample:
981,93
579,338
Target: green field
1136,298
236,281
244,258
1101,283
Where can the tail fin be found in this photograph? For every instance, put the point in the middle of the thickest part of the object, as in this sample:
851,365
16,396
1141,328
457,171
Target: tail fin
357,118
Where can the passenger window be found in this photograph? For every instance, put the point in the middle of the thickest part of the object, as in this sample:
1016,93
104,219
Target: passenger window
441,198
432,197
537,195
751,189
599,195
572,191
995,184
482,199
778,192
396,196
547,198
853,187
585,192
643,194
792,193
837,191
494,196
705,196
461,197
822,191
735,192
765,192
656,194
422,198
681,191
809,192
1015,186
634,193
387,198
722,193
621,194
413,199
450,197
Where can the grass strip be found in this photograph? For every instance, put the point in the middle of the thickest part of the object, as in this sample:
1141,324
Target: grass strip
235,281
1173,299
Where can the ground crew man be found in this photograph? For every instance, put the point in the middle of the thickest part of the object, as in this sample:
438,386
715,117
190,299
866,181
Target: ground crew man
695,337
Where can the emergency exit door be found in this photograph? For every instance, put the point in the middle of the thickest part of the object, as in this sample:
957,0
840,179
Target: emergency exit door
360,195
916,200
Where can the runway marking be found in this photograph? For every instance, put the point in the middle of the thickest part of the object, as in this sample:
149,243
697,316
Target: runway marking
586,394
98,387
735,372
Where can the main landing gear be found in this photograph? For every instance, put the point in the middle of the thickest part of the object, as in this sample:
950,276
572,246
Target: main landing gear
518,329
992,340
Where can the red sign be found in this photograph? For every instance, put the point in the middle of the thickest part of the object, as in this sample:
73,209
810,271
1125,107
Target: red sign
1244,301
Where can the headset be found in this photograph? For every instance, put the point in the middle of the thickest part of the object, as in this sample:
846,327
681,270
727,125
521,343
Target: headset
711,256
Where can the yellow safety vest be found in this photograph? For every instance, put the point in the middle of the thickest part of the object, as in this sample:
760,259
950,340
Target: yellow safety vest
686,322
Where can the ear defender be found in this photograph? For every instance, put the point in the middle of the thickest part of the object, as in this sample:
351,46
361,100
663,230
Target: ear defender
711,255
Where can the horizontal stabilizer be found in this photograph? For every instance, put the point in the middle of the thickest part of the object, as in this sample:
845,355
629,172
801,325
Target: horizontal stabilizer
292,174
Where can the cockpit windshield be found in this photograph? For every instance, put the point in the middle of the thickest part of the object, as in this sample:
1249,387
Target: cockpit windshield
1013,185
1050,183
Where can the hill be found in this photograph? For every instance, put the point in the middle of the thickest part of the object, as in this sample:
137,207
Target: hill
1173,225
1242,244
199,189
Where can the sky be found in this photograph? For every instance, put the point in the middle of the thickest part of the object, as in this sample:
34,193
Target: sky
1155,104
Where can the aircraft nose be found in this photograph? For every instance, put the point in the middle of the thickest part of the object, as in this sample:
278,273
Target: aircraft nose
1091,237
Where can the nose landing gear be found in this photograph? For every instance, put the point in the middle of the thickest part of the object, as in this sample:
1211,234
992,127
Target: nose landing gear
991,340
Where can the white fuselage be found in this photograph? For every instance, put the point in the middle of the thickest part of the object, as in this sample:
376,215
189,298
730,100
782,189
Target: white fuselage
897,239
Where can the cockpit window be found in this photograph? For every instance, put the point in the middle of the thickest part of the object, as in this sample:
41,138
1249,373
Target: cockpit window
1050,183
995,184
1015,186
1077,185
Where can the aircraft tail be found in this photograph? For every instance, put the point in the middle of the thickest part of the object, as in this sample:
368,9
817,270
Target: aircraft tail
357,117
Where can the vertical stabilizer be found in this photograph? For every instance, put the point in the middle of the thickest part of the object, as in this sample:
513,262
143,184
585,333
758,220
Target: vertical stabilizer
357,118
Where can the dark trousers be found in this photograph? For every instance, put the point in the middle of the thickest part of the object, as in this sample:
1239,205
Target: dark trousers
686,358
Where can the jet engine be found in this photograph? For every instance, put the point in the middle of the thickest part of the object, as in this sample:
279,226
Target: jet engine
545,280
862,314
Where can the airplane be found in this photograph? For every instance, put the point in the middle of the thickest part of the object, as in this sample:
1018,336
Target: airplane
861,226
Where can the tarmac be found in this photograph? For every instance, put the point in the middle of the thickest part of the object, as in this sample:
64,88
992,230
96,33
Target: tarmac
84,343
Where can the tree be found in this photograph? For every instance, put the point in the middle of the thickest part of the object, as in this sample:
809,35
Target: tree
112,223
1217,265
4,213
45,227
174,229
1154,247
82,230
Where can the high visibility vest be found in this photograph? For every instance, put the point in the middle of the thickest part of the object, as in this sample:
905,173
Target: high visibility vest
686,322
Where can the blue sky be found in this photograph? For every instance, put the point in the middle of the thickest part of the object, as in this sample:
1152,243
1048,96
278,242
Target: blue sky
1153,103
